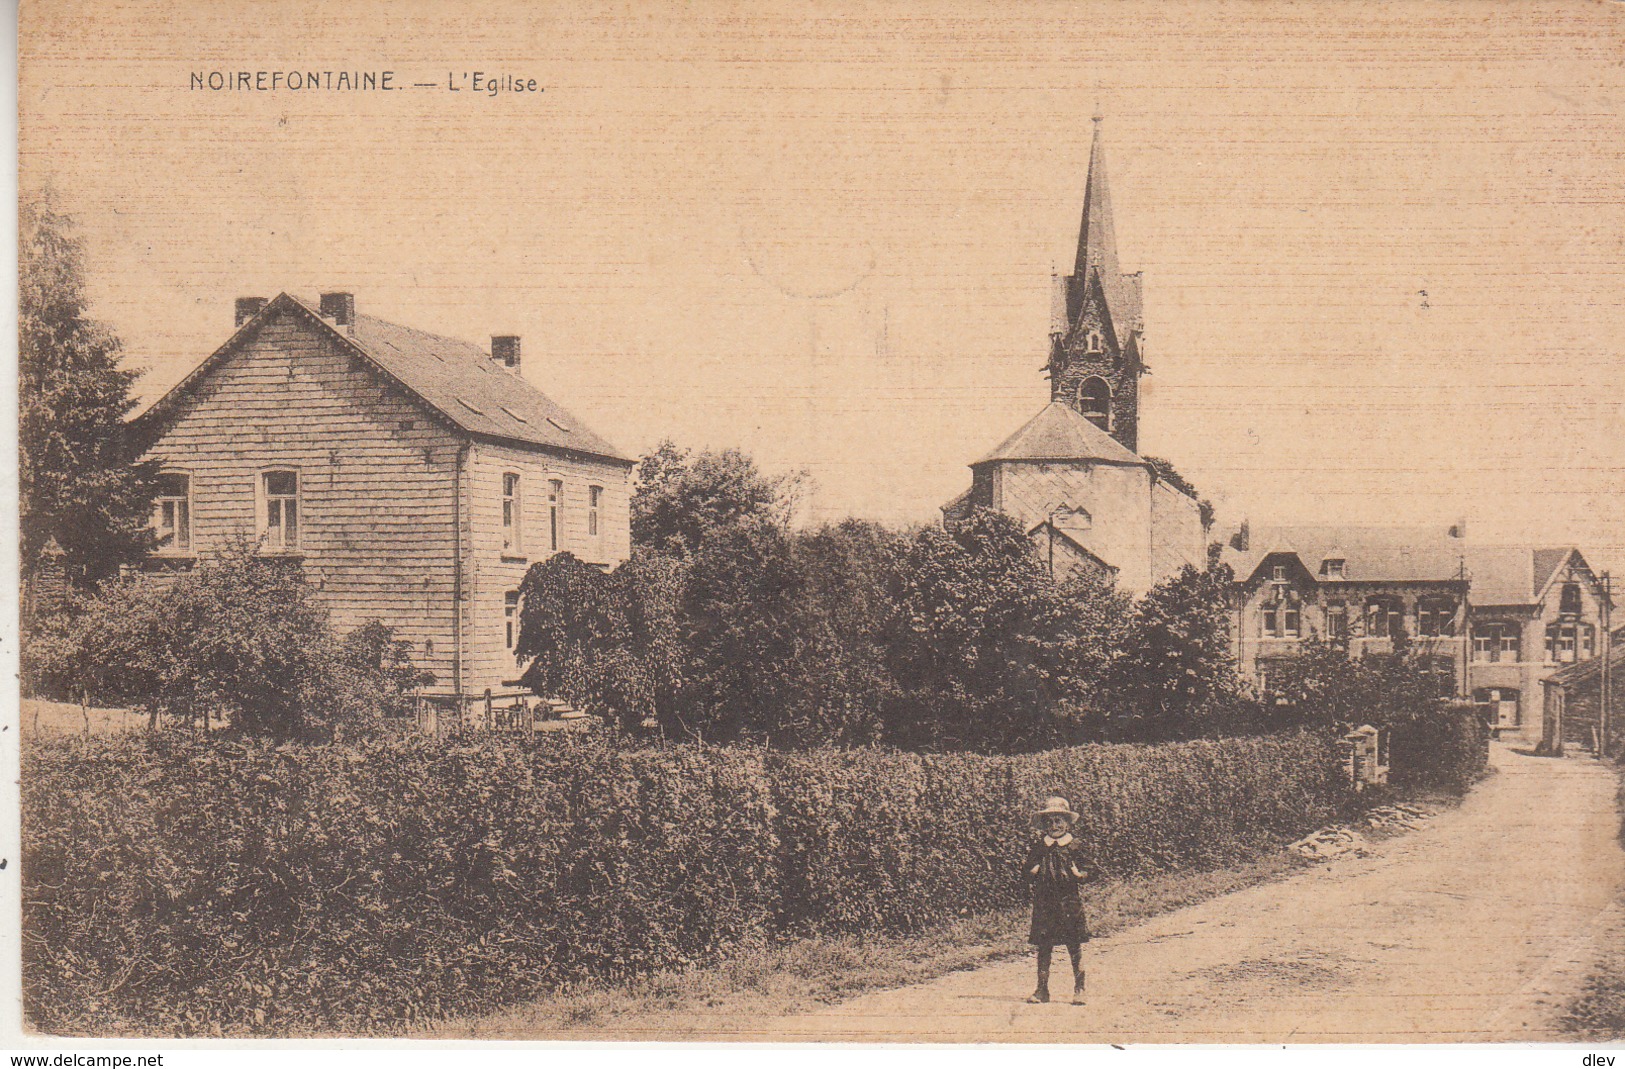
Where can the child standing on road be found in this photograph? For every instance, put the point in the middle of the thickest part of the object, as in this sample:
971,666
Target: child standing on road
1053,866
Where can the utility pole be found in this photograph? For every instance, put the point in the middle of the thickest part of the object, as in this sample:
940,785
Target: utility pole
1606,680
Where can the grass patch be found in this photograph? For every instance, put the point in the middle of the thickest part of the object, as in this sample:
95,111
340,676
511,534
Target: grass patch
1599,1010
801,976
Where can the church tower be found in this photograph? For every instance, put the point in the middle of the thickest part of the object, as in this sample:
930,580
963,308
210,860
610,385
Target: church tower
1095,327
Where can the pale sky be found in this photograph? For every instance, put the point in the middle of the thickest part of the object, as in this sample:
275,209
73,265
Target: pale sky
1383,245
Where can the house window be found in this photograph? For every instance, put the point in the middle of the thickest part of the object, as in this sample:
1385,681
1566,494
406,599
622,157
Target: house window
510,618
1278,575
1283,619
1332,568
172,513
1337,620
1436,617
1493,642
280,490
1568,643
595,498
1569,600
1095,402
555,512
1384,617
512,514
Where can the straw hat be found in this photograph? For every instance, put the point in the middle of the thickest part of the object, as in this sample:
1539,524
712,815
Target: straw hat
1054,806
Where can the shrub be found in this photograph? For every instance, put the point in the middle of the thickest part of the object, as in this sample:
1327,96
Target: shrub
181,885
240,638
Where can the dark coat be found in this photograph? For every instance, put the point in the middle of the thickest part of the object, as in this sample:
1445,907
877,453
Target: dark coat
1056,873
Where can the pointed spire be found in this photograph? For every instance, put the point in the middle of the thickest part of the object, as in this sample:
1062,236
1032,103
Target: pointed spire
1097,243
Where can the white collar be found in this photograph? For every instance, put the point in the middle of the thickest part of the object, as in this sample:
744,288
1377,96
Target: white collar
1065,838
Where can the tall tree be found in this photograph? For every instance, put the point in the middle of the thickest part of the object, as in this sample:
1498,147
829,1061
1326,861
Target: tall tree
683,498
79,483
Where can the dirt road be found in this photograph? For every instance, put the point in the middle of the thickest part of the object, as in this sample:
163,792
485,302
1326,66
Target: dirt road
1475,928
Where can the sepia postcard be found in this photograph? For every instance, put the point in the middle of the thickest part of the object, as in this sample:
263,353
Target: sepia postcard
843,523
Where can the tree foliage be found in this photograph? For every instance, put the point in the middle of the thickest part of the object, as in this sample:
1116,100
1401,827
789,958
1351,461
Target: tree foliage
238,640
78,480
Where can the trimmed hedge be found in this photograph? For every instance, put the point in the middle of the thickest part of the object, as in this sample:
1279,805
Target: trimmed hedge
182,886
1448,750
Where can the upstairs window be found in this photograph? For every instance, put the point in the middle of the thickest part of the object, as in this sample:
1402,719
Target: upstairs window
1095,402
172,513
1278,574
1569,600
595,499
512,515
1568,643
1436,617
280,491
1332,568
510,619
1384,617
555,513
1495,642
1282,618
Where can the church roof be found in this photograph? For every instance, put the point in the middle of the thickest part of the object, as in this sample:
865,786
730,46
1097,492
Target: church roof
1058,432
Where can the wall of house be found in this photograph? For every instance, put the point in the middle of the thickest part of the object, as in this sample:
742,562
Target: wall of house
376,479
1255,649
494,571
1117,497
1177,538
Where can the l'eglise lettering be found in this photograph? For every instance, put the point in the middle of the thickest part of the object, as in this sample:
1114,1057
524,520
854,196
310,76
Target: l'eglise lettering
298,81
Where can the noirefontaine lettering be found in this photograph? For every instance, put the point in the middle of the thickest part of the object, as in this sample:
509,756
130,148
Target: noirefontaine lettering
297,81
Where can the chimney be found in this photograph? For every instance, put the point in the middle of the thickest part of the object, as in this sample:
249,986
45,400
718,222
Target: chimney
505,350
1243,538
340,308
248,308
1458,529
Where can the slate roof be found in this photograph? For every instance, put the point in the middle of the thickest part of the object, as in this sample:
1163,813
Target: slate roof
1059,432
1370,554
1513,575
456,379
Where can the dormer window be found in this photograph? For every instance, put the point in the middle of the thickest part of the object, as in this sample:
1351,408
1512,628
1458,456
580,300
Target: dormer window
1332,568
1278,574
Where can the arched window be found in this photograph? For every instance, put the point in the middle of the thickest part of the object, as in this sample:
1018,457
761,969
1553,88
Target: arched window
1569,601
1095,402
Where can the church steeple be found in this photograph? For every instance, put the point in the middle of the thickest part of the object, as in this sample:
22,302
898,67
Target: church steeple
1095,343
1097,244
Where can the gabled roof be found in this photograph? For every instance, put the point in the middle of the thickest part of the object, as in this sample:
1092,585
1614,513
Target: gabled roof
1370,554
1059,432
1517,575
455,379
1077,547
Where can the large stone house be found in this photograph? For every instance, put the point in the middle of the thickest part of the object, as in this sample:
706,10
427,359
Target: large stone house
1364,586
1070,476
413,478
1497,620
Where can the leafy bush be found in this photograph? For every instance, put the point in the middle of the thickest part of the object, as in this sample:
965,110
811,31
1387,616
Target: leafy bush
239,638
182,885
